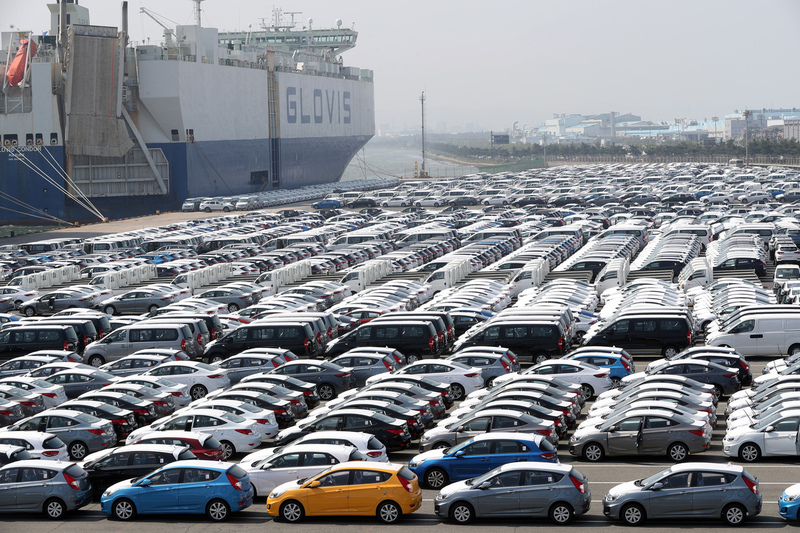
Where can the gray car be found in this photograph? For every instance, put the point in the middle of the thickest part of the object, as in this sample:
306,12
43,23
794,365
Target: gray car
556,491
43,486
243,365
235,299
24,364
180,392
330,378
641,432
134,364
689,490
77,381
724,380
366,365
137,301
82,433
30,402
492,365
54,302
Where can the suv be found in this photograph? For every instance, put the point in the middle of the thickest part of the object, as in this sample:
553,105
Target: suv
289,334
417,339
23,340
534,340
651,333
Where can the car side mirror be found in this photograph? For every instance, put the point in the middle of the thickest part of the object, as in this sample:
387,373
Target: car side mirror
657,486
769,429
459,453
485,485
145,482
266,466
314,484
612,429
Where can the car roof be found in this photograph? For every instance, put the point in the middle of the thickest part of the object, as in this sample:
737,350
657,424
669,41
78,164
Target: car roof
690,467
552,467
36,463
198,463
369,465
498,435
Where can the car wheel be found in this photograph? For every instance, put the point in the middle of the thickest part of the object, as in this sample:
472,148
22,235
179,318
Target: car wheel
462,512
226,209
561,513
207,209
615,381
579,336
794,349
77,450
718,392
587,391
17,304
540,357
389,512
440,446
215,359
436,478
593,452
54,509
29,311
412,358
110,310
218,510
326,392
669,351
418,204
95,360
456,391
198,391
227,450
749,452
152,309
678,452
123,509
402,204
232,308
436,204
734,514
490,382
292,511
633,514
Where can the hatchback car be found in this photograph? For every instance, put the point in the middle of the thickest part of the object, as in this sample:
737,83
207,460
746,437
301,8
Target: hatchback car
517,489
51,487
214,488
40,445
454,431
385,490
690,490
775,435
82,433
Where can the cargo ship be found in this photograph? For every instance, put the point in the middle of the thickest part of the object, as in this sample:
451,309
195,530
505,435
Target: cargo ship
92,126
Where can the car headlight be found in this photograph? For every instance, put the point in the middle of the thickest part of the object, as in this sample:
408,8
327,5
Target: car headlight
790,497
109,492
610,497
441,496
425,438
412,464
276,493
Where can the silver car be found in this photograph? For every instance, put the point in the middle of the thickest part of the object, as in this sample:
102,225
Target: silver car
51,487
53,302
137,301
689,490
366,365
330,378
517,489
82,433
234,299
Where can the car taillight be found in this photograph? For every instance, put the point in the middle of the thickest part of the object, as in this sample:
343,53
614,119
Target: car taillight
472,375
140,411
71,481
434,402
183,345
546,432
279,411
216,376
28,404
97,431
199,338
85,339
294,402
397,358
50,394
244,431
160,402
745,366
120,421
578,484
308,392
66,346
5,412
343,375
374,454
431,343
262,421
388,366
235,483
213,333
50,453
698,432
548,455
625,364
177,394
689,336
395,431
508,368
752,485
600,375
307,344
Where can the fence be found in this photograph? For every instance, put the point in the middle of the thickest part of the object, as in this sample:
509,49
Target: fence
721,160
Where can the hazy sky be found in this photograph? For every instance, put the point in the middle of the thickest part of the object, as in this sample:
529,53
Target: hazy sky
493,63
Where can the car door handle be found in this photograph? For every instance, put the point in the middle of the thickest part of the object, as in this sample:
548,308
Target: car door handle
757,336
292,472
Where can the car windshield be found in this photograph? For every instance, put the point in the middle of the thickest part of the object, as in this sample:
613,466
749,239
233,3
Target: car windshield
656,367
651,479
768,421
233,418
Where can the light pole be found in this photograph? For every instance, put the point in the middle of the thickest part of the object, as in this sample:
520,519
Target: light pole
747,115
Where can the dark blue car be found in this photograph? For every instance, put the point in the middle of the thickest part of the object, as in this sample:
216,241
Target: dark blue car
437,468
204,487
327,203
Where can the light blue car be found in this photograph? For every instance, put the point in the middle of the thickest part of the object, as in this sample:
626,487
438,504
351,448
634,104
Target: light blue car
789,502
215,489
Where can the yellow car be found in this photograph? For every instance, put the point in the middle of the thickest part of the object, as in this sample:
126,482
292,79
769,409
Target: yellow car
356,488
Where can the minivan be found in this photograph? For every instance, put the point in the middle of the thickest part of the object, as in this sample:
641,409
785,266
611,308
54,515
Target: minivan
288,334
128,339
415,338
645,333
532,339
761,334
25,339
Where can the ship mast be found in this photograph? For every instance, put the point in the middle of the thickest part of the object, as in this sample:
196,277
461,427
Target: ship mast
424,173
197,11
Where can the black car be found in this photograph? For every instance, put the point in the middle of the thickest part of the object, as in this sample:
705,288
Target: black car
428,384
363,202
529,200
129,462
32,337
309,390
144,411
680,198
744,263
284,415
464,200
123,420
391,432
416,424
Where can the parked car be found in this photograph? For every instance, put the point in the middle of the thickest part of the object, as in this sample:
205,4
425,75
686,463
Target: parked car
202,445
451,432
40,445
51,487
82,433
108,467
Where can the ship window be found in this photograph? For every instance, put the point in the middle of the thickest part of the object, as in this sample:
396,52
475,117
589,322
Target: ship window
190,135
39,140
29,139
175,137
10,139
54,138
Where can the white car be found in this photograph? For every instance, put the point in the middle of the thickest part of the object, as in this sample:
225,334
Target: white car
366,443
430,201
717,198
293,462
498,199
461,379
265,418
216,205
772,436
235,433
39,444
397,201
200,377
16,295
754,196
180,393
748,415
52,395
592,379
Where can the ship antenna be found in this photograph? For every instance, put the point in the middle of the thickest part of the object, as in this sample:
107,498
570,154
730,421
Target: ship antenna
197,11
422,101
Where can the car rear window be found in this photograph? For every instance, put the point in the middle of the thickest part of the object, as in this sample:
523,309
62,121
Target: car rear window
406,474
186,454
74,471
237,472
354,456
374,444
22,455
546,446
53,443
212,443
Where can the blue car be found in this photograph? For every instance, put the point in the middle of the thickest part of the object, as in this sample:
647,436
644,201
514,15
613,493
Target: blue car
617,360
214,488
330,203
437,468
789,502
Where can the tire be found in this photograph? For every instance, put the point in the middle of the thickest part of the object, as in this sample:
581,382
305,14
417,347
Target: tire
110,310
292,511
207,209
540,357
561,513
490,382
436,478
388,512
17,304
437,205
326,392
232,308
95,360
198,391
669,351
749,452
440,446
734,514
412,358
794,349
456,392
633,514
462,513
123,509
615,381
579,336
215,359
593,452
29,311
218,510
54,509
418,204
226,209
227,450
718,392
402,204
152,309
587,391
77,450
678,452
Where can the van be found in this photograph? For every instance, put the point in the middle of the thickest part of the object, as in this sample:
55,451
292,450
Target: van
128,339
23,340
531,339
213,323
297,337
201,336
553,311
442,322
696,274
761,334
84,327
645,333
416,339
614,274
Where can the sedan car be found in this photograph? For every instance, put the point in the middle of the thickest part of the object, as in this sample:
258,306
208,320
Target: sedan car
539,490
124,420
366,365
351,489
233,299
80,380
82,433
263,417
591,379
724,380
199,377
108,467
460,379
451,432
215,489
51,487
329,378
54,302
137,301
690,490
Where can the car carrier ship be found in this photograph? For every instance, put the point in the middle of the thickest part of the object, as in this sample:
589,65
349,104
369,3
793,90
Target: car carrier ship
94,127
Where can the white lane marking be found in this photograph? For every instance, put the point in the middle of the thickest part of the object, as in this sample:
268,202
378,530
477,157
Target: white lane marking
619,482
